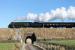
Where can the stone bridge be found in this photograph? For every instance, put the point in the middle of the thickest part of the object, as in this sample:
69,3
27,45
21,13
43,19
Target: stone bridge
41,33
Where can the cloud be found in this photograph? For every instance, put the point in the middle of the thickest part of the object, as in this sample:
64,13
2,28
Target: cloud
59,13
71,13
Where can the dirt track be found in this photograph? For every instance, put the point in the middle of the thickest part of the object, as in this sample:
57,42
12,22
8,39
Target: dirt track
32,47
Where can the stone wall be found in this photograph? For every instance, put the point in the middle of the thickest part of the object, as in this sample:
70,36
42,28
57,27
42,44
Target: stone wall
41,33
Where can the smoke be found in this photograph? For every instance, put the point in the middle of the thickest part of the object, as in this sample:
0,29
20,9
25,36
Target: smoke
61,13
64,13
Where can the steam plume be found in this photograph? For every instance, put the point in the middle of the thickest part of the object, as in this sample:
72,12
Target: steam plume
59,13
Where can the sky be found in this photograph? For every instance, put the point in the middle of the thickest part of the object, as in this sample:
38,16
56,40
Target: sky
11,10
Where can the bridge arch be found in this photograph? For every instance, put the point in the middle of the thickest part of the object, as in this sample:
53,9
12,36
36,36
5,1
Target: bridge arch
32,37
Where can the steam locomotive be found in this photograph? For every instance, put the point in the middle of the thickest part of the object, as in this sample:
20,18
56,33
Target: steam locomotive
41,24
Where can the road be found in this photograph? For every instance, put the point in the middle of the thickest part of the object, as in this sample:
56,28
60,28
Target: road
31,47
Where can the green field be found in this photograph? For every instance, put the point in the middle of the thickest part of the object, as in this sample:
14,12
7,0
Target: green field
70,43
7,46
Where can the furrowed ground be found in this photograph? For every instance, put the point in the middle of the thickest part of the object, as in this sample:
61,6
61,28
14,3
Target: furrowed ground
11,46
69,43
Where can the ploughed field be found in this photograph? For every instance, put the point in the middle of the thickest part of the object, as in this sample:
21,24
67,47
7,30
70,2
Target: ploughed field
16,46
68,43
12,46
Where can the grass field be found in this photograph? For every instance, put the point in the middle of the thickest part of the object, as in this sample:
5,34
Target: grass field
70,43
7,46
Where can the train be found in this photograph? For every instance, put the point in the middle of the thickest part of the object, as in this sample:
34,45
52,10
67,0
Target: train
41,25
